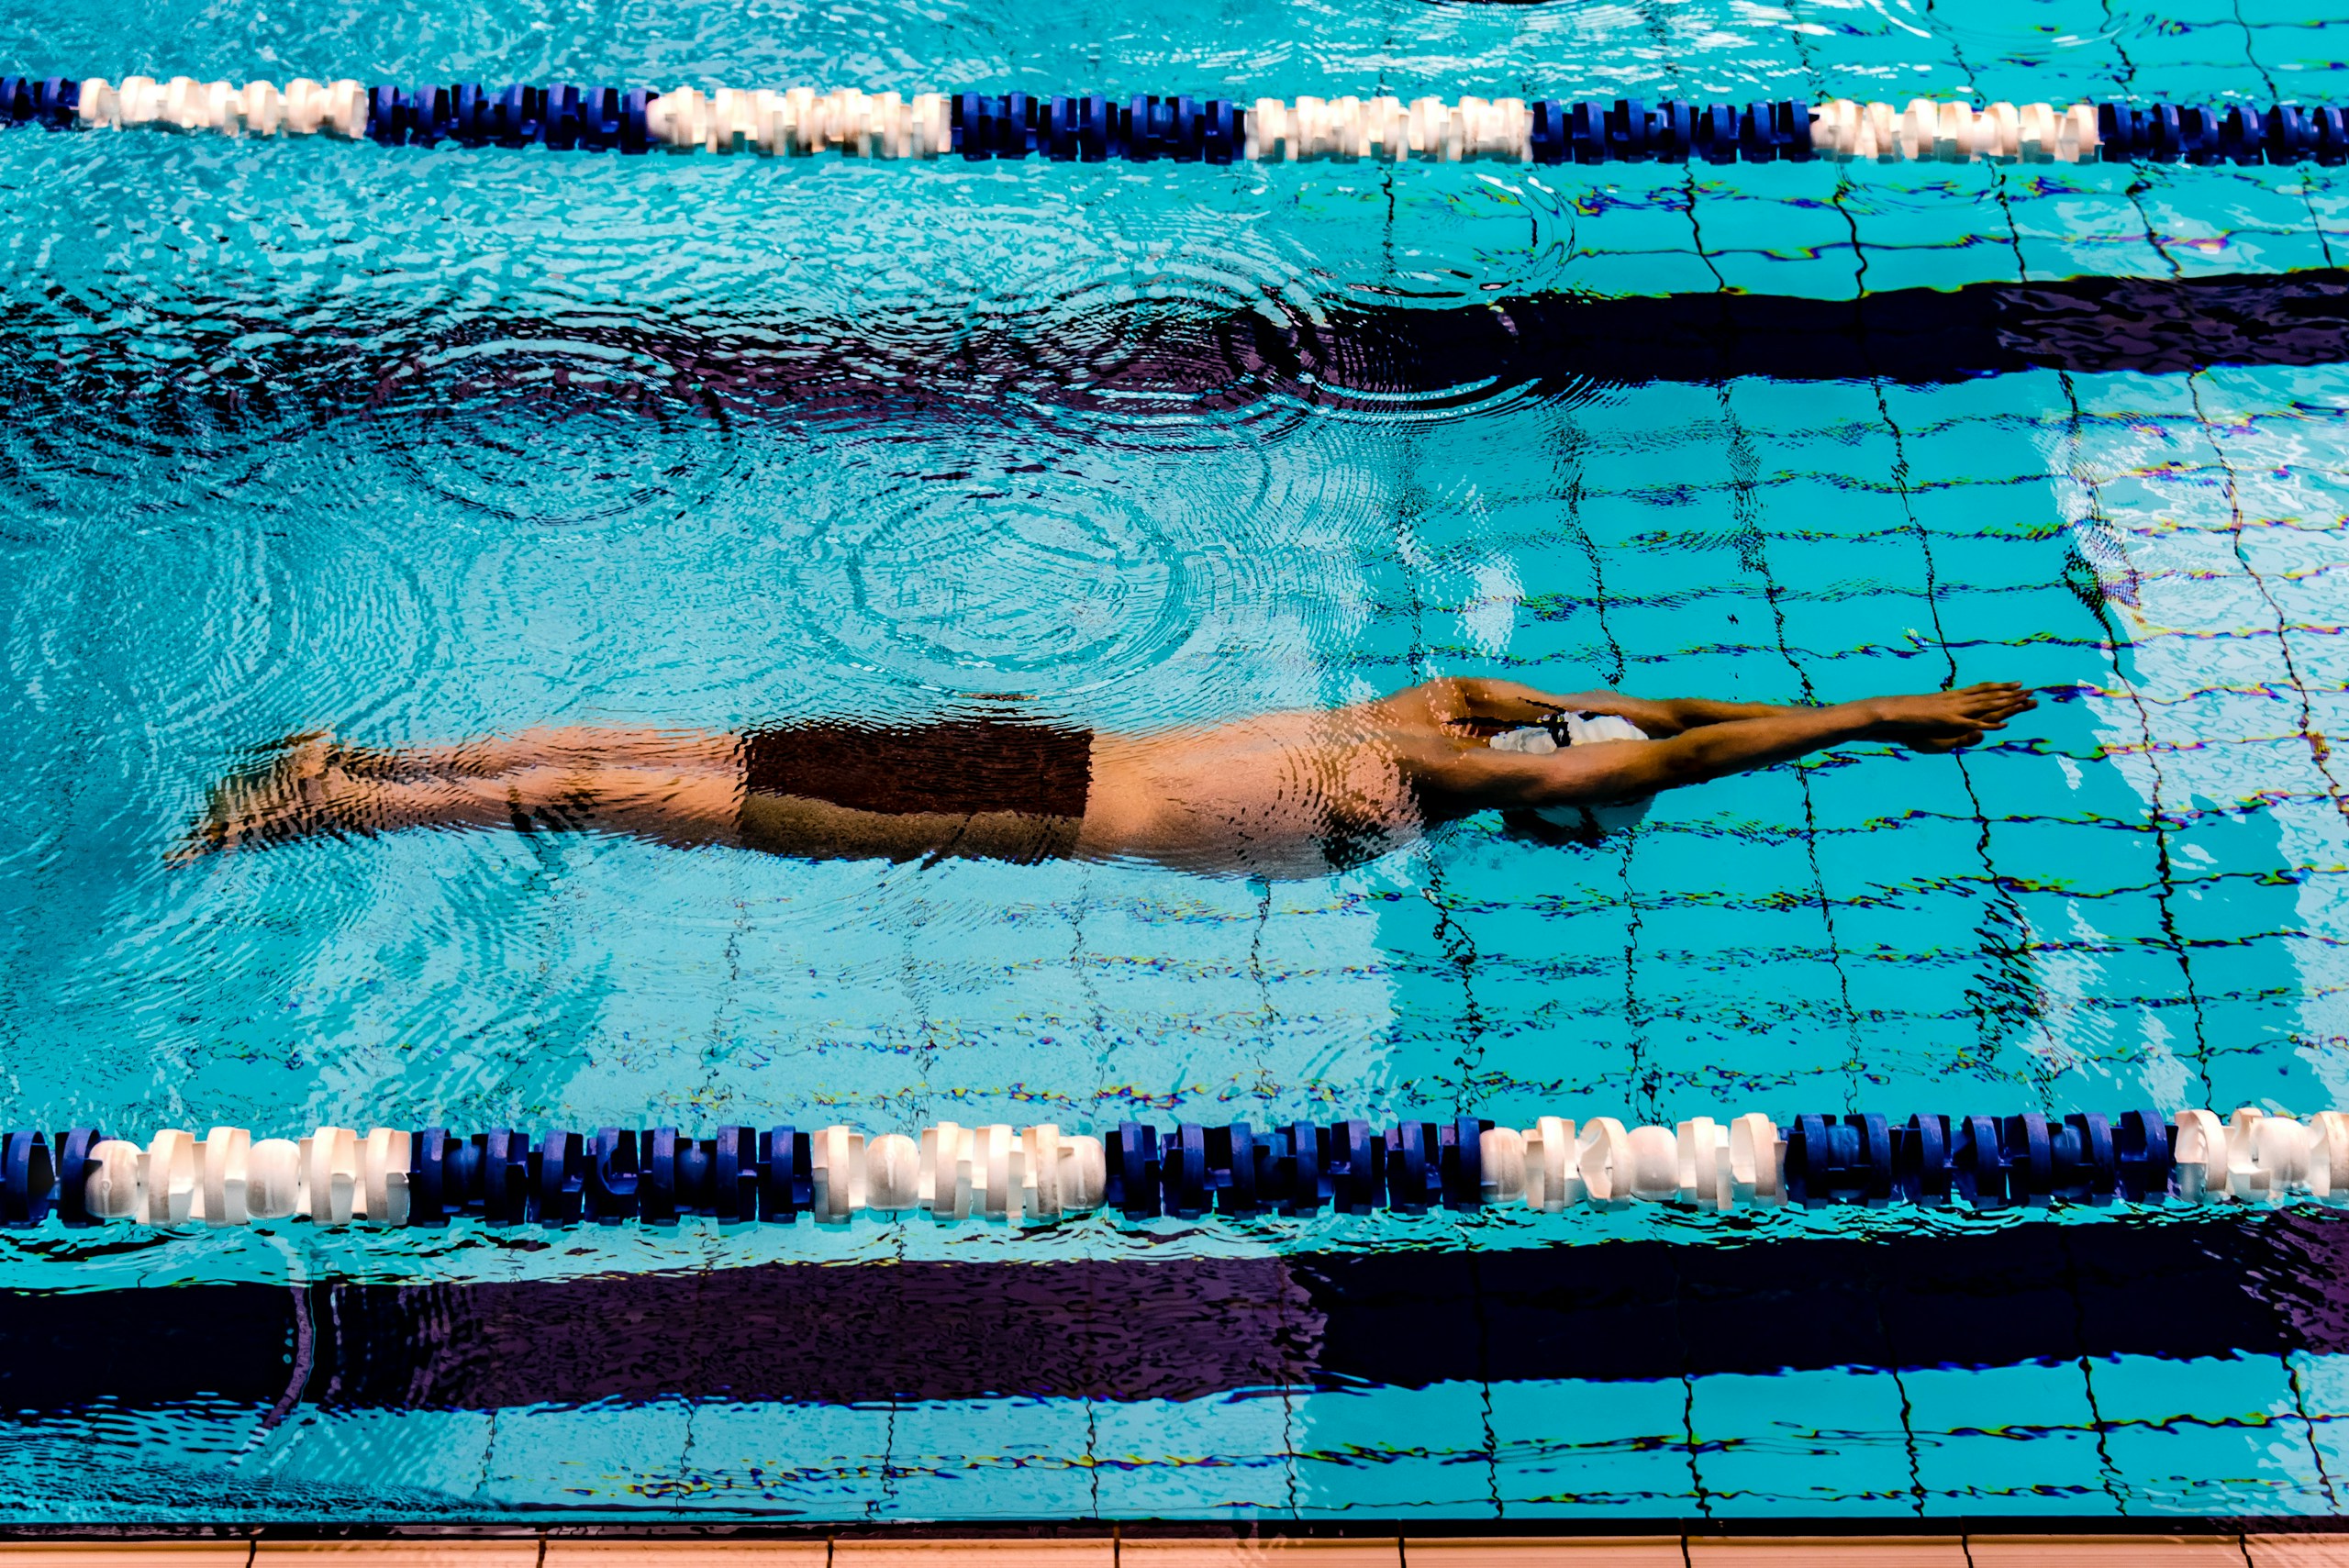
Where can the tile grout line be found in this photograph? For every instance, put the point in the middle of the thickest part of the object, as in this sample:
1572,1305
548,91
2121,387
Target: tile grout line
1746,509
2002,894
2159,807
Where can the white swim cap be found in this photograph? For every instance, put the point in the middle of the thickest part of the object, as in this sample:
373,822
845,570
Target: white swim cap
1582,730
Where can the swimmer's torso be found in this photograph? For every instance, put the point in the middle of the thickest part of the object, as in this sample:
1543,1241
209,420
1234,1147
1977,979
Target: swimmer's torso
1280,794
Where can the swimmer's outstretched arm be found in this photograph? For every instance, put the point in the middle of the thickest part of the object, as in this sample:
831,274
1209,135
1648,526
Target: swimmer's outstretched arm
1623,770
1480,703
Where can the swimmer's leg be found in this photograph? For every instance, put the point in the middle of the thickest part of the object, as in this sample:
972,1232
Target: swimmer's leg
678,788
567,746
285,778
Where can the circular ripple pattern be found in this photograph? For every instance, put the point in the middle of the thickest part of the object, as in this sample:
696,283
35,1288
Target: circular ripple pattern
1032,583
548,432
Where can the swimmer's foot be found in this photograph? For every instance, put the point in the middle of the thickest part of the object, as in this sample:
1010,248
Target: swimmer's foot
299,786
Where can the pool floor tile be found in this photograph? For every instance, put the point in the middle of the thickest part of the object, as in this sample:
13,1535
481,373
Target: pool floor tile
2298,1551
1000,1459
1292,1553
2097,1551
441,1452
1403,1452
1802,1442
110,1555
517,1552
1567,1482
1794,1551
690,1554
1149,1464
2055,1470
1607,1551
1008,1553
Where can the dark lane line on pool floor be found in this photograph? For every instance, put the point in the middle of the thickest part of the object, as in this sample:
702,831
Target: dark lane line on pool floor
2260,1282
1157,356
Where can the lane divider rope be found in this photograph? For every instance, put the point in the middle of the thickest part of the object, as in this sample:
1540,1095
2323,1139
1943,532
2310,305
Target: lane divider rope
1095,129
391,1176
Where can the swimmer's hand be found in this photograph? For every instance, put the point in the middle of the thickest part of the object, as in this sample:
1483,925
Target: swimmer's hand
1940,722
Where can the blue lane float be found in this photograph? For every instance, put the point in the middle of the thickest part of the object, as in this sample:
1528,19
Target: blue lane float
399,1177
1095,128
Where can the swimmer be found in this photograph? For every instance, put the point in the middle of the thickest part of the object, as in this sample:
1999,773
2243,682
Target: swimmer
1281,795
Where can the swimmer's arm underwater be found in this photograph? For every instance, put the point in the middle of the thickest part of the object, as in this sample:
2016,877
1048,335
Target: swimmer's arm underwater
1485,706
1625,770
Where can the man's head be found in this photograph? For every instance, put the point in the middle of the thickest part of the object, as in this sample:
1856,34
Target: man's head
1582,822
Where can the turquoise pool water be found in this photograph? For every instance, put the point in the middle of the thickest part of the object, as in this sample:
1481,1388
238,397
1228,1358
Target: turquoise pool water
421,445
